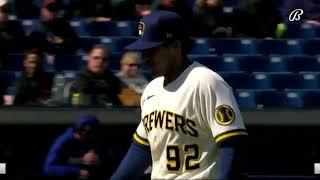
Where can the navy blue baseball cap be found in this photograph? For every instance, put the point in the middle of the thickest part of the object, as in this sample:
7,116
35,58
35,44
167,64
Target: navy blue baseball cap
87,122
157,28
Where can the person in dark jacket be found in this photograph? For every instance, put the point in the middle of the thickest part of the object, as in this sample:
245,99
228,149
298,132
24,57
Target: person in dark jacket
54,35
34,85
210,20
255,18
178,6
132,10
96,85
11,32
74,154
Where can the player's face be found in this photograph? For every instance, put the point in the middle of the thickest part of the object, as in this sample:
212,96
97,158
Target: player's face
159,60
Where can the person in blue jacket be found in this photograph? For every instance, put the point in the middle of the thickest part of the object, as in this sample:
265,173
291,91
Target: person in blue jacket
73,154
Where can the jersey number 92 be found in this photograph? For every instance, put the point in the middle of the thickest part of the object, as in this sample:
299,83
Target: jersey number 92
190,157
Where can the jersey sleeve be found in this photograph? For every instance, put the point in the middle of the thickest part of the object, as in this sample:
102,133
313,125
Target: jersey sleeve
220,110
140,136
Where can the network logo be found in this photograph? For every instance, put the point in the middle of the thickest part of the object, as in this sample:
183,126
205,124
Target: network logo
295,15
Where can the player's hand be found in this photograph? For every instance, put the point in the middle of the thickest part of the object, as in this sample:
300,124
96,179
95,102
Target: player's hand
84,174
90,158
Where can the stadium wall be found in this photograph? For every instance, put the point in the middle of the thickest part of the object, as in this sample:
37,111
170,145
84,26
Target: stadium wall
281,141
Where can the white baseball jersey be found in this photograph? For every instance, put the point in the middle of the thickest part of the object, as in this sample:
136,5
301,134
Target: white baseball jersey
183,121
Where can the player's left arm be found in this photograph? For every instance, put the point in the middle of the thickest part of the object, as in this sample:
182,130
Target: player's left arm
232,158
231,137
220,110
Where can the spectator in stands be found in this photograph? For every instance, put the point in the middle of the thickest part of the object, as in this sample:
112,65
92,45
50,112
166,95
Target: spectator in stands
29,9
96,85
179,6
256,18
311,10
130,72
55,36
132,77
210,20
97,9
75,153
11,32
132,10
34,85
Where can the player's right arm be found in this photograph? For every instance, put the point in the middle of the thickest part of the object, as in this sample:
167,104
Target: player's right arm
137,159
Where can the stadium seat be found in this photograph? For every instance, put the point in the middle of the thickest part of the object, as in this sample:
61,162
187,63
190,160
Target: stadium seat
289,46
110,43
114,44
121,42
216,63
304,98
251,63
299,63
312,98
14,62
114,61
230,2
283,80
309,80
126,28
233,46
288,80
298,30
112,28
87,42
200,46
79,27
245,98
294,98
311,46
29,25
270,98
68,62
237,79
8,78
69,75
277,63
317,31
259,81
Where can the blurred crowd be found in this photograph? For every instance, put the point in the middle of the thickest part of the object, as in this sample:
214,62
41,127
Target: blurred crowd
97,84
